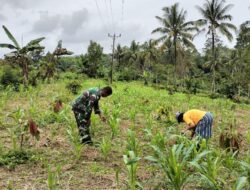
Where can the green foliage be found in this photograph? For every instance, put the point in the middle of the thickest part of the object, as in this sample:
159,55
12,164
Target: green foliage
13,158
73,87
130,161
53,177
91,62
240,184
132,142
10,76
75,140
105,147
173,163
114,120
209,167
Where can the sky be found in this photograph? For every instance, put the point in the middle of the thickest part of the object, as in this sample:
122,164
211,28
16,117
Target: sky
76,22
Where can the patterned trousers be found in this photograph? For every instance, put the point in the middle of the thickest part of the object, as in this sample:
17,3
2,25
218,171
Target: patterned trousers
83,124
204,127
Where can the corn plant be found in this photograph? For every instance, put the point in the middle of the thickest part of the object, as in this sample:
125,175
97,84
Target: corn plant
132,116
74,138
132,142
114,121
53,177
174,164
20,128
209,166
13,138
130,161
105,147
94,124
245,167
159,140
114,125
241,184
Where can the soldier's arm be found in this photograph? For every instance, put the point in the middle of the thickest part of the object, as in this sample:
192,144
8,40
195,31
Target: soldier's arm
97,108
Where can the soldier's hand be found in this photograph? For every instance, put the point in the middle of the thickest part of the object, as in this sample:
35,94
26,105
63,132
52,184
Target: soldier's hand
103,119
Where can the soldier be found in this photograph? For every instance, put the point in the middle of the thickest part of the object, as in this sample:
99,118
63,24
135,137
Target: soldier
82,108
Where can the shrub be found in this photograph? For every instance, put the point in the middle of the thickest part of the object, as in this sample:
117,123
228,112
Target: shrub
73,87
10,76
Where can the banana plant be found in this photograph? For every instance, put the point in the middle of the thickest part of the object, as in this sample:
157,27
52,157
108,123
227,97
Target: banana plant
51,60
20,54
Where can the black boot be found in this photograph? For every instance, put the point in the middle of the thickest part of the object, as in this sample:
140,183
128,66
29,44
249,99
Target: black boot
87,140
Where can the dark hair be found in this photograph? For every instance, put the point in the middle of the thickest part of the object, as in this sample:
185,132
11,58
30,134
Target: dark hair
107,90
180,117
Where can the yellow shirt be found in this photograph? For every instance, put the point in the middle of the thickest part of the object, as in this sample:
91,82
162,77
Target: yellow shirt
193,116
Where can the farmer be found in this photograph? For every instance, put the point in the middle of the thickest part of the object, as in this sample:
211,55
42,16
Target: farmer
82,108
199,122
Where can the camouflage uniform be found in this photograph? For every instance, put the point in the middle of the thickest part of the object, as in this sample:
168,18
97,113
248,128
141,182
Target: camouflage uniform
82,108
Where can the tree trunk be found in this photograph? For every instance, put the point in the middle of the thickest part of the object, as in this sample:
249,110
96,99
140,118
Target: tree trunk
175,61
213,61
25,71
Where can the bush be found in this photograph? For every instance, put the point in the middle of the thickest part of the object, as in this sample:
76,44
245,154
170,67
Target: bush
214,95
229,89
73,87
69,75
10,76
192,85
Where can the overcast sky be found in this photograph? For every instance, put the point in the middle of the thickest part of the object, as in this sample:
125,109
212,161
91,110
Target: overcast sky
77,22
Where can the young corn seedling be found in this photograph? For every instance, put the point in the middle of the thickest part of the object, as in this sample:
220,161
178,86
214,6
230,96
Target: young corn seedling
130,161
132,142
13,138
20,128
174,165
159,140
53,177
241,184
114,121
105,147
245,167
114,125
209,166
132,116
74,138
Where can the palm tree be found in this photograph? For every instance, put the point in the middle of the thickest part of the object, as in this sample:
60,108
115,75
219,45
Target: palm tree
175,30
20,54
214,13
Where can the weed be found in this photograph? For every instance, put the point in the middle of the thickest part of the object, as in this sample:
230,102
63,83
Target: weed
15,157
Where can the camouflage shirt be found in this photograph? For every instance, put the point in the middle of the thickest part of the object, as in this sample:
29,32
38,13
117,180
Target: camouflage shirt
87,101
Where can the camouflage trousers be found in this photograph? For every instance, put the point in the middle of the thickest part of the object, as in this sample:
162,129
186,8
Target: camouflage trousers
83,125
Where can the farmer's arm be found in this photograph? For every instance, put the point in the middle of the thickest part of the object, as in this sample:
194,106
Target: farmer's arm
190,126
